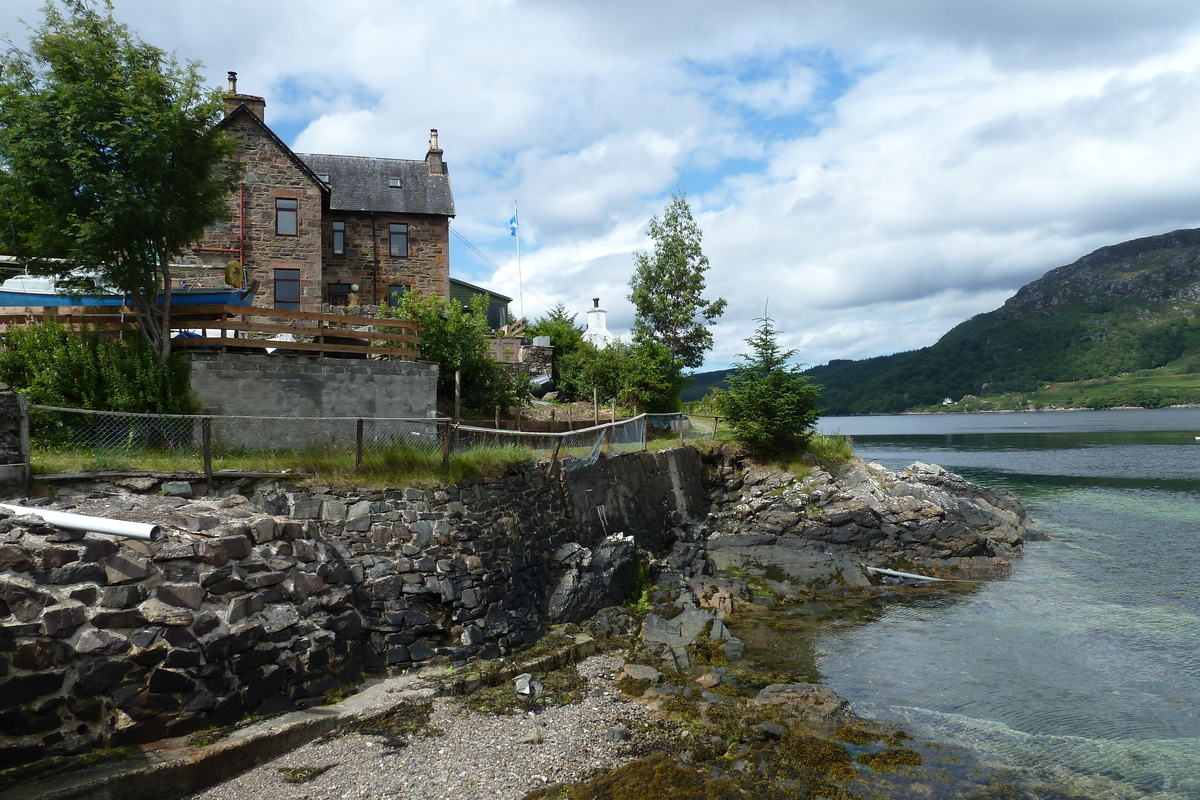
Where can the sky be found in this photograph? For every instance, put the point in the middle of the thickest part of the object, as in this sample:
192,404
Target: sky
868,173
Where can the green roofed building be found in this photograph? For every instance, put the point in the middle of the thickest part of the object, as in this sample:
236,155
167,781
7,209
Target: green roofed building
463,292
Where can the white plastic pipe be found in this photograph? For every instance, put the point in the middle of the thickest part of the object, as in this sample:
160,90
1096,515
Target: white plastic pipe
912,575
80,522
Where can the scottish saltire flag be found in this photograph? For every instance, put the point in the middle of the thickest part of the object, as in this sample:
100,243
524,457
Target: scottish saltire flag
512,225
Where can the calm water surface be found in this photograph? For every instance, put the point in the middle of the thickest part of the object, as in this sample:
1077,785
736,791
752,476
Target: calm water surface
1085,664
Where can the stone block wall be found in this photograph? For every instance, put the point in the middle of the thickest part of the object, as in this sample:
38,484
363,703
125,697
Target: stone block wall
368,262
270,173
273,598
14,443
285,386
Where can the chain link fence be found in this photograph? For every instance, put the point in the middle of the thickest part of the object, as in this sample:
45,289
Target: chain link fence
65,440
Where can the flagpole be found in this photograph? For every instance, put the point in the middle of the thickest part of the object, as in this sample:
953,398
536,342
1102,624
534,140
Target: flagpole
520,280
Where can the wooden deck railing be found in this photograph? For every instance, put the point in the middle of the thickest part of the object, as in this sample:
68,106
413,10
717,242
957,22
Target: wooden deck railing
246,329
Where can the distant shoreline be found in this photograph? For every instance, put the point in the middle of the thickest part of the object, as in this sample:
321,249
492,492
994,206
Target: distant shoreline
1009,411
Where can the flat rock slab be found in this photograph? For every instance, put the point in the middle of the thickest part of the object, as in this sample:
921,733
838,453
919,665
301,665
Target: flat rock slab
171,769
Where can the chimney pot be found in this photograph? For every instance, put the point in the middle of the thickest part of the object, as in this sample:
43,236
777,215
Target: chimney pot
232,82
595,302
433,139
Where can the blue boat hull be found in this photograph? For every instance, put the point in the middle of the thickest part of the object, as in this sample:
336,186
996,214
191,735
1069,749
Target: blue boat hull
182,297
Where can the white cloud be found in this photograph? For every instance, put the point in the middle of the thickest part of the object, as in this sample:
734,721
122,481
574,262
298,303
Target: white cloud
881,171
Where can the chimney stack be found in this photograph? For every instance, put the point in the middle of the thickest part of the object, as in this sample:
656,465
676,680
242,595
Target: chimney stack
433,159
597,332
257,105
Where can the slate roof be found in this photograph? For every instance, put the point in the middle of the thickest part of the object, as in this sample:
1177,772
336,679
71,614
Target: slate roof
361,183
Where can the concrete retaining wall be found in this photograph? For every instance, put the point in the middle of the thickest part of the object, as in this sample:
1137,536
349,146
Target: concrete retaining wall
287,386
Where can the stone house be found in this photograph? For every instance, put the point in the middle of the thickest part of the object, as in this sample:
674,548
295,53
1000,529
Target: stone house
326,229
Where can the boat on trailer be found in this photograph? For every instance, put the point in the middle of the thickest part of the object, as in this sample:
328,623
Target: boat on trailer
27,291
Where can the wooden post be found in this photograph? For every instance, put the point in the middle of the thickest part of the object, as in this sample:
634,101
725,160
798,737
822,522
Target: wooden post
23,444
596,405
614,409
714,433
206,438
497,417
446,445
645,435
358,444
570,422
457,393
553,471
681,430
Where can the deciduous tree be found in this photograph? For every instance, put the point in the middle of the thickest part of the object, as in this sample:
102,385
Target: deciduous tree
110,157
457,339
667,288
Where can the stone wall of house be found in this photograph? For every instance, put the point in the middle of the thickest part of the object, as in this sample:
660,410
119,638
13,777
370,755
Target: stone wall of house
14,443
269,174
271,598
291,386
368,261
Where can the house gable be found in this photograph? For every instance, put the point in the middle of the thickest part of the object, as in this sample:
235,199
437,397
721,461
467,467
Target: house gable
314,229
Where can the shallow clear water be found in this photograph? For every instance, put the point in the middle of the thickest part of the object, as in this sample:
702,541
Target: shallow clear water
1086,662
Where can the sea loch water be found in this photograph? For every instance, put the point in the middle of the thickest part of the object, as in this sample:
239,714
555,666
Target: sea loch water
1083,667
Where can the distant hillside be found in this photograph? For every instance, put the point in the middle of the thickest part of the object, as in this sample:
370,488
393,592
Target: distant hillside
1128,307
702,383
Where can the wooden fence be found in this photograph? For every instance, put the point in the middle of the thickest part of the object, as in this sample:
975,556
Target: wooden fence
246,329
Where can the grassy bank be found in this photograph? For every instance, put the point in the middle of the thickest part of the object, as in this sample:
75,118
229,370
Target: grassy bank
1171,385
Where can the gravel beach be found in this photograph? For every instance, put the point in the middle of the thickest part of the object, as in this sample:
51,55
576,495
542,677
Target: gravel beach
476,757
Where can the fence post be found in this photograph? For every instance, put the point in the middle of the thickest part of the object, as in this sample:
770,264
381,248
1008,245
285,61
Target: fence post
457,393
23,444
446,445
614,409
645,434
681,430
714,433
206,439
358,442
596,405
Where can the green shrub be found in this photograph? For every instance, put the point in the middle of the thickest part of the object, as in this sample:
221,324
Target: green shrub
457,339
53,366
770,406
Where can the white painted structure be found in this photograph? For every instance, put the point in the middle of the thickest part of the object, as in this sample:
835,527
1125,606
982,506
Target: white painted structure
597,331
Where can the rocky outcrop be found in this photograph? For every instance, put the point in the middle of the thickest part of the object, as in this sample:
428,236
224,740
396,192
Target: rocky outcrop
822,529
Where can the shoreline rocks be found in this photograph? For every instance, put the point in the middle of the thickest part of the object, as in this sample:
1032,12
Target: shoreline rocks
821,529
265,597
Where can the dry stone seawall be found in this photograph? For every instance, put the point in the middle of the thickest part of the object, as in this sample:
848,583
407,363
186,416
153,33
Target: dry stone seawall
264,598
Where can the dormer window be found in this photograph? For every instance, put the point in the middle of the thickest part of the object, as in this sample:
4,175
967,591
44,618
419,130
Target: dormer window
394,183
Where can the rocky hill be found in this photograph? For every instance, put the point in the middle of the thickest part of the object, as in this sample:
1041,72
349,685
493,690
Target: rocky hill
1118,310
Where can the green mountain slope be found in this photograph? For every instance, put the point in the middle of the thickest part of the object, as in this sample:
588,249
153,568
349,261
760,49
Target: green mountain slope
1122,309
